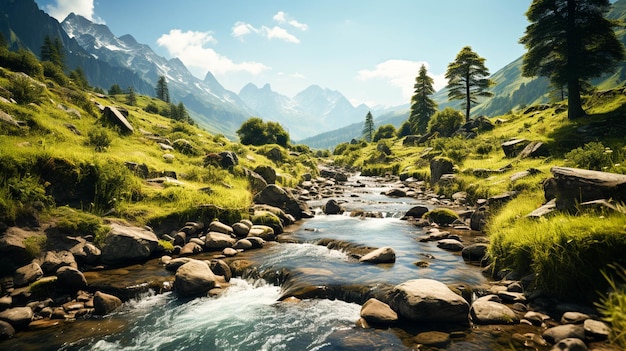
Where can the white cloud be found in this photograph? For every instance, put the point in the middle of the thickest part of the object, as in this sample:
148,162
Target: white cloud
190,48
401,74
282,18
279,33
241,28
62,8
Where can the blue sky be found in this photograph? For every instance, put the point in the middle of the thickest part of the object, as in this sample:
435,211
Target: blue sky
368,50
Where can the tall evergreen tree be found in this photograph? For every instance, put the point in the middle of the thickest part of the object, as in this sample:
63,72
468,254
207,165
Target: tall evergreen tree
79,78
422,106
162,93
570,42
131,97
52,51
468,79
368,127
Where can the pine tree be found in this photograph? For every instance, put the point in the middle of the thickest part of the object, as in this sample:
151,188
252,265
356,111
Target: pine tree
468,79
52,51
422,107
570,42
162,93
131,98
368,127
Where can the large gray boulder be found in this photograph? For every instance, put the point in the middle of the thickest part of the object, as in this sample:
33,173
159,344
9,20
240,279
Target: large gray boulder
194,278
429,301
18,317
332,207
218,241
276,196
116,117
268,173
104,303
438,167
128,244
575,185
27,274
377,312
381,255
71,278
488,310
57,259
13,253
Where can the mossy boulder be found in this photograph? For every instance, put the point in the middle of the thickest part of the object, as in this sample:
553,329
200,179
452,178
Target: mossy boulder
441,216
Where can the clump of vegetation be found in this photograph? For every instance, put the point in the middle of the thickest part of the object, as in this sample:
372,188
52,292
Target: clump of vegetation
441,216
79,223
612,306
99,138
25,89
166,246
445,122
593,155
35,245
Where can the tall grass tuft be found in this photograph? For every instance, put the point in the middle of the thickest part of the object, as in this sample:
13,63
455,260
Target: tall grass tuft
612,305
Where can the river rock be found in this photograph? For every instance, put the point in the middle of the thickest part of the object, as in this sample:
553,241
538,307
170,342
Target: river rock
560,332
433,339
596,330
6,330
570,344
13,253
438,167
71,278
218,241
377,312
194,278
262,231
18,317
257,242
180,239
427,300
57,259
332,207
381,255
276,196
105,303
415,212
571,317
175,263
128,244
190,248
475,252
241,230
27,274
220,267
230,252
268,173
220,227
487,311
243,244
450,245
86,252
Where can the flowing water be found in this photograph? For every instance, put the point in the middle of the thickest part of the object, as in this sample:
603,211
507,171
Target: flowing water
250,315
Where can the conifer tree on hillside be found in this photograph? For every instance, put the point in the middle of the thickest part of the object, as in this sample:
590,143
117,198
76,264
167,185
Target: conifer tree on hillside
131,98
570,42
422,106
468,79
52,51
162,92
368,127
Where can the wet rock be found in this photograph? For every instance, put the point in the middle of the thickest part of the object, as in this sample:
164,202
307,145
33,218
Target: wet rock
70,278
190,248
256,241
570,344
433,339
86,252
381,255
175,263
5,302
262,231
230,252
487,311
220,227
450,245
332,207
574,317
180,239
6,330
377,312
57,259
536,318
105,303
27,274
560,332
128,244
396,193
220,267
276,196
475,252
243,244
218,241
427,300
194,278
415,212
596,330
241,230
18,317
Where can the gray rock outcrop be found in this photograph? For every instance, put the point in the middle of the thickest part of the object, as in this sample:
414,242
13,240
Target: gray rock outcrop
427,300
194,278
128,244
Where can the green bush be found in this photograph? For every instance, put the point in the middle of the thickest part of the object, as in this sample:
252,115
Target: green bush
151,108
445,122
384,132
25,90
55,73
441,216
35,245
591,156
21,61
99,138
612,306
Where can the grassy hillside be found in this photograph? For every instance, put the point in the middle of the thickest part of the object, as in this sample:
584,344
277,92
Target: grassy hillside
58,150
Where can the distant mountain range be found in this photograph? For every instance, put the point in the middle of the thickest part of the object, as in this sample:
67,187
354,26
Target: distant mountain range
318,117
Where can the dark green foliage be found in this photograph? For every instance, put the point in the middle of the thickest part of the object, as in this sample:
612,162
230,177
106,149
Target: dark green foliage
151,108
21,61
54,72
591,156
162,92
52,51
570,42
301,148
131,97
99,138
179,113
404,130
445,122
25,89
468,79
255,131
79,78
422,107
368,127
384,132
115,89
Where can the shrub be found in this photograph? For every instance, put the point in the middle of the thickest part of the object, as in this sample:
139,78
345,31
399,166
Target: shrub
55,73
166,245
35,245
21,61
612,306
384,132
441,216
151,108
446,122
25,89
591,156
99,138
